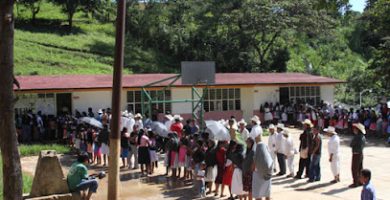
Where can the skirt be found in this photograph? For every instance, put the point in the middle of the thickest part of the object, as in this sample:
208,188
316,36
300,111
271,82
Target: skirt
174,160
247,181
220,173
188,164
260,187
143,155
211,173
227,178
105,149
237,185
268,116
153,155
166,159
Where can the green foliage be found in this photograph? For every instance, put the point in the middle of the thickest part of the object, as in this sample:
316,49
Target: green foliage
33,150
33,5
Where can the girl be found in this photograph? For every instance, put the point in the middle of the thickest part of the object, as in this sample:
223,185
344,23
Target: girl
143,152
182,155
227,178
97,153
125,144
237,184
152,152
247,169
221,159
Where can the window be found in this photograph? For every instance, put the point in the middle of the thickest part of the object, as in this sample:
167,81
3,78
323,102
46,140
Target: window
46,95
222,99
307,94
134,100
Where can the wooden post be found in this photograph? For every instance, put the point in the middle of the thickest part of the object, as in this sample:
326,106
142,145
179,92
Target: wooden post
113,172
12,170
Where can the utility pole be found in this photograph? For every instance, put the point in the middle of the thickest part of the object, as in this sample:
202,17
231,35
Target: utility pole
113,171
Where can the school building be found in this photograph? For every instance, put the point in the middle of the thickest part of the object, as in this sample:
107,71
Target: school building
238,94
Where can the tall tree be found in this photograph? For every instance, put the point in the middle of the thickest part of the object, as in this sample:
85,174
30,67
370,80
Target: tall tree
34,6
13,185
70,7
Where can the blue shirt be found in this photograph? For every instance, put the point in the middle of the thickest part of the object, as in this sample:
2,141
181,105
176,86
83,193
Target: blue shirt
368,192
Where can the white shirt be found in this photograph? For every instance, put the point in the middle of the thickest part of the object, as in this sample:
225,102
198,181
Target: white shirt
272,142
200,175
334,145
256,130
288,147
244,134
139,124
279,142
284,117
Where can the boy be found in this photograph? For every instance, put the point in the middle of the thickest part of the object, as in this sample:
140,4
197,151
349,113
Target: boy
200,184
368,192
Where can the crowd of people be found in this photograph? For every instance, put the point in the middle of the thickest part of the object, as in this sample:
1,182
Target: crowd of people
244,164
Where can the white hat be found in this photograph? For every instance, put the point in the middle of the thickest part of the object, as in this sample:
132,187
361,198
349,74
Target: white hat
138,115
169,117
100,111
125,113
360,127
177,117
242,121
308,122
286,133
330,129
280,126
256,119
271,126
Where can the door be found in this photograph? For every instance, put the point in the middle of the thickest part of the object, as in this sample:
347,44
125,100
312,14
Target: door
64,103
284,95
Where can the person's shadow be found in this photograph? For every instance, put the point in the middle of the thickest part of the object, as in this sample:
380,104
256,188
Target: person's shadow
335,191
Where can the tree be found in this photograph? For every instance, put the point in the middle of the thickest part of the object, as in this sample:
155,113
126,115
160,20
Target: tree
13,183
70,7
34,6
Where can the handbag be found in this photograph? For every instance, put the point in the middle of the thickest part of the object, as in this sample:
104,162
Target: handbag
304,153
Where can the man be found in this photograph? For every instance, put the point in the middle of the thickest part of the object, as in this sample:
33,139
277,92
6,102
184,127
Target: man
315,156
138,121
357,146
103,139
368,192
133,148
78,179
305,138
334,152
256,128
272,144
279,149
242,129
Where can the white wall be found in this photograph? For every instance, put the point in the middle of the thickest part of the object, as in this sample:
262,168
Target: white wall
264,94
327,93
32,102
181,93
247,104
96,100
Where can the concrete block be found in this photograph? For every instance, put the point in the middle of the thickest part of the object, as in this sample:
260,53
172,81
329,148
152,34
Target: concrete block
49,178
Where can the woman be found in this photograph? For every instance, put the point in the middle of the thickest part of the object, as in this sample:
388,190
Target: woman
152,151
261,179
211,170
221,159
229,168
237,159
143,152
247,170
125,144
182,155
334,152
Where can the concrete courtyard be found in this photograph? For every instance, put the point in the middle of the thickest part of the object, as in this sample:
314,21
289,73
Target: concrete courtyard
376,156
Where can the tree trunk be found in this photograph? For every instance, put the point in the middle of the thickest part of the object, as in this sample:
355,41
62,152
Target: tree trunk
13,185
70,20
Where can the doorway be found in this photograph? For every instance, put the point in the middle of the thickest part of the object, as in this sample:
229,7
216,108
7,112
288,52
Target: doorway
64,103
284,95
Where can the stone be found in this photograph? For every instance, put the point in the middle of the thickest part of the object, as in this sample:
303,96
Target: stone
49,178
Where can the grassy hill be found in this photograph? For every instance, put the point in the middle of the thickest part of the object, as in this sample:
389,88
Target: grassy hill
49,48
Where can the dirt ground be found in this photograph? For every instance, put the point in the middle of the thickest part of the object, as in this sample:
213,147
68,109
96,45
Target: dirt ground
158,186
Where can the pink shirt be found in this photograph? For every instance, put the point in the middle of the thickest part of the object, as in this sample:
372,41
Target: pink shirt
144,141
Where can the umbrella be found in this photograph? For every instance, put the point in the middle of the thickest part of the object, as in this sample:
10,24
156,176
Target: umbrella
160,129
218,130
92,121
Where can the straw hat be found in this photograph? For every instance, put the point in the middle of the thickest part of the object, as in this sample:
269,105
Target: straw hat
330,129
100,111
360,127
178,117
271,126
242,121
125,113
286,133
138,115
308,122
256,119
169,117
280,126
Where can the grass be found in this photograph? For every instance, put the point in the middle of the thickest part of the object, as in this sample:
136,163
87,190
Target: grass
27,181
33,150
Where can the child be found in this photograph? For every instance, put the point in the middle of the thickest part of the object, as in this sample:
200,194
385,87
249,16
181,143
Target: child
368,192
182,156
97,153
290,152
152,152
200,184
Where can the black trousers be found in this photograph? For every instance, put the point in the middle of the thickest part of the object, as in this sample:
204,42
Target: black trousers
304,163
357,167
282,163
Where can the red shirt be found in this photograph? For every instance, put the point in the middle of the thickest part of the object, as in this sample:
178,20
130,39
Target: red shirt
178,128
